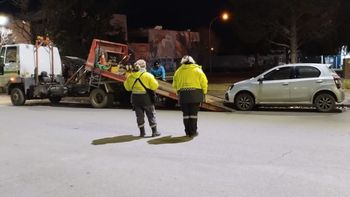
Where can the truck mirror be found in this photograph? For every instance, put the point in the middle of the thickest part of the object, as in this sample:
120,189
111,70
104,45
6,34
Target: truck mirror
2,69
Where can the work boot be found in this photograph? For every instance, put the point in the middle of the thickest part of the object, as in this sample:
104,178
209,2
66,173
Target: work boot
192,124
142,132
193,127
193,134
186,124
155,132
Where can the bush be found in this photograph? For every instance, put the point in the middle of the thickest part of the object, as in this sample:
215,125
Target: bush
346,83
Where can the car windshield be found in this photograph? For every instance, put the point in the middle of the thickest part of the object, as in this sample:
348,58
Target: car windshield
261,73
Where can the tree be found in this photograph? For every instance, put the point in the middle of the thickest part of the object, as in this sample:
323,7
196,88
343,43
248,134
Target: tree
287,24
343,25
23,16
71,24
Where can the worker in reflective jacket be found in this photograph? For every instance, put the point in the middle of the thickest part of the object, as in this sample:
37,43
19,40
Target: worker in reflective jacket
191,85
136,82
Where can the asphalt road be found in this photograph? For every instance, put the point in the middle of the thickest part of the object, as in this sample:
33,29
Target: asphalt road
80,151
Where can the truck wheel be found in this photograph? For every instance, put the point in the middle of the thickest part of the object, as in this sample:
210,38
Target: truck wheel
100,99
55,99
325,103
17,97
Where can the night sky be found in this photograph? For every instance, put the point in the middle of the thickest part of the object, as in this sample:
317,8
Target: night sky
182,15
171,15
177,15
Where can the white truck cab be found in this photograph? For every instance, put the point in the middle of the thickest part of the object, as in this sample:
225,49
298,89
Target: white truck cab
31,72
19,59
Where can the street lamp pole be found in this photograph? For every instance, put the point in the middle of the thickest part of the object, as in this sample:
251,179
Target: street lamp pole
224,16
210,48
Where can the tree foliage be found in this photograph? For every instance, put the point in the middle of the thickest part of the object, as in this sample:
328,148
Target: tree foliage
71,24
286,24
313,26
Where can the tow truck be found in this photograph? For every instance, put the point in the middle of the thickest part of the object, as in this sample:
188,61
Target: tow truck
100,78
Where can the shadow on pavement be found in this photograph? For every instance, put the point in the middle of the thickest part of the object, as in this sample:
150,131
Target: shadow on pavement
116,139
170,140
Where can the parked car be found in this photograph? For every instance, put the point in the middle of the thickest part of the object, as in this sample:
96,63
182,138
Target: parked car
290,84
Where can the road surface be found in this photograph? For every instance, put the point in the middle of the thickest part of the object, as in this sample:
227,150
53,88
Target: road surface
80,151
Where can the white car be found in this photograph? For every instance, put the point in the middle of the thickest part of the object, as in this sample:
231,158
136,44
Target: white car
290,84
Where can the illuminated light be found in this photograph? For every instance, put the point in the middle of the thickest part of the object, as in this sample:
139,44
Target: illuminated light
12,79
3,20
225,16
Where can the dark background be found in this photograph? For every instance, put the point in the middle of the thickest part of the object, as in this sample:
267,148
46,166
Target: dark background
323,28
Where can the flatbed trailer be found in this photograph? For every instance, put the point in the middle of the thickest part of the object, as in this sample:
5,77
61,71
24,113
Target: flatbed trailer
165,89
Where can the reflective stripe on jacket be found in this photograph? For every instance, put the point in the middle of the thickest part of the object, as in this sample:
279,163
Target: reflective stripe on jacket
190,76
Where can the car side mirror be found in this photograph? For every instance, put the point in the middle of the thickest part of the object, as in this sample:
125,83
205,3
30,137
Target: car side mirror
261,79
2,69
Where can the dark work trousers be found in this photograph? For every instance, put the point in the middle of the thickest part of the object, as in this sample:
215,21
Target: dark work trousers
190,116
150,111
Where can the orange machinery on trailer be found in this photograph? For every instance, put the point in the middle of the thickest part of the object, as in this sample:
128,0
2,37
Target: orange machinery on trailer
111,49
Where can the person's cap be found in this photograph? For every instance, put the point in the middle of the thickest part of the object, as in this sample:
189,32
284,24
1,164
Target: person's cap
140,64
187,60
156,63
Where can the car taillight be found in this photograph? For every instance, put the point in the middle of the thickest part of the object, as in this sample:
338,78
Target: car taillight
337,81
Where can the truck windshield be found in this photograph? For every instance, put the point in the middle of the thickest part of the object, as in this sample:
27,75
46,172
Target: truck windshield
11,55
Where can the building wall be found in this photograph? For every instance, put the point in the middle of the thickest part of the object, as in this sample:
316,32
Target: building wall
166,46
140,51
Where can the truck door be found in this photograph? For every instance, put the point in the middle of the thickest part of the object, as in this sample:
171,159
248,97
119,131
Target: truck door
9,64
11,60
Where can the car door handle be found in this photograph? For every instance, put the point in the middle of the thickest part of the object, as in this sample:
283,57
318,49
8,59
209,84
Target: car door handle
285,84
319,81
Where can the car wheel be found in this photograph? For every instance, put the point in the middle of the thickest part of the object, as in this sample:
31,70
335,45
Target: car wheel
324,103
100,99
17,97
244,102
55,99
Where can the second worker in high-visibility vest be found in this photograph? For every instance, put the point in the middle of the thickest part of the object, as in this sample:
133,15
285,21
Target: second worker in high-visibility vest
137,82
191,85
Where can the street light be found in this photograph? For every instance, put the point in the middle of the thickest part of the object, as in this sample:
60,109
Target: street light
224,16
3,22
